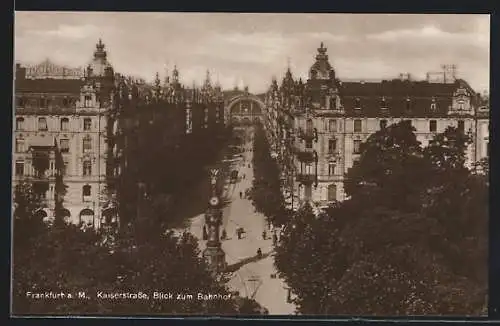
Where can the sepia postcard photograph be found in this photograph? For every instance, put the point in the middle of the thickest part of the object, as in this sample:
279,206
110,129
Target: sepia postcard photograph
250,164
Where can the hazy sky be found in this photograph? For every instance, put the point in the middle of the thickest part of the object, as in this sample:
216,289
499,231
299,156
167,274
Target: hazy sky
251,48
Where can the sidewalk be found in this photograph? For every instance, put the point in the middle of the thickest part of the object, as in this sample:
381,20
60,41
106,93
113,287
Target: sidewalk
252,277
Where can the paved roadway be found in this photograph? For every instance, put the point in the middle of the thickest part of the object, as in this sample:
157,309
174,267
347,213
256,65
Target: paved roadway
253,276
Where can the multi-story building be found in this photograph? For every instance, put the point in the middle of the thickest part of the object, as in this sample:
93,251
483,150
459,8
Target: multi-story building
61,113
319,127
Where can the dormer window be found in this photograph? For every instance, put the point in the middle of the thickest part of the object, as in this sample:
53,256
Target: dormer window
19,102
357,103
433,104
383,103
408,104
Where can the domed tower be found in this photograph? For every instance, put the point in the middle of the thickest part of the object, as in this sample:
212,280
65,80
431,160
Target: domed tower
322,88
100,72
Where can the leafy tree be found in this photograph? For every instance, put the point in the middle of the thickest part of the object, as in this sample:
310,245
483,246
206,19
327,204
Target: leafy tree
63,257
58,258
373,254
300,263
266,188
391,168
26,201
446,155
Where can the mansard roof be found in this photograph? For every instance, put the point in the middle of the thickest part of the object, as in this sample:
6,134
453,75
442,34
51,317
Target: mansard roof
400,97
398,88
62,86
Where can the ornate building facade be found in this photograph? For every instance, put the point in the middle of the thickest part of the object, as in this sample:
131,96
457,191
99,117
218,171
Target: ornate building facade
317,127
62,112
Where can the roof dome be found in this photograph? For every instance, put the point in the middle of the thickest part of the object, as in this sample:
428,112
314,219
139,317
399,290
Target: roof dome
99,65
321,69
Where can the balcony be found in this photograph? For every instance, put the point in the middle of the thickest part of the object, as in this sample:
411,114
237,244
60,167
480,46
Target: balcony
306,155
308,134
306,178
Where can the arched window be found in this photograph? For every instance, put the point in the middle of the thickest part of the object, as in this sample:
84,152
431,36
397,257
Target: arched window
332,192
87,217
64,124
19,123
87,144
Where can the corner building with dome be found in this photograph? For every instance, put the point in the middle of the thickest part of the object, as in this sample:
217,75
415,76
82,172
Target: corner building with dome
316,127
80,129
60,125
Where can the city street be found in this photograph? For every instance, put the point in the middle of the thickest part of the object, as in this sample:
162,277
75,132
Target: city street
252,277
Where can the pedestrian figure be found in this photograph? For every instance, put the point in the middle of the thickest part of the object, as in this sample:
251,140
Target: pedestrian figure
205,234
275,238
241,194
264,235
259,253
224,234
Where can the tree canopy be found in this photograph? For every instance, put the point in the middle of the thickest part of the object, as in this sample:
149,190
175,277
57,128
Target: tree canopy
64,258
411,239
266,188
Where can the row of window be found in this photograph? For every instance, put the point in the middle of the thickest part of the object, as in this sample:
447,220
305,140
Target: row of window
44,102
20,146
63,125
358,125
86,170
384,105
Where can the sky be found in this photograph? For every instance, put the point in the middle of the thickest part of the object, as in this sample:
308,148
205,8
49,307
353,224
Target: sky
249,49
